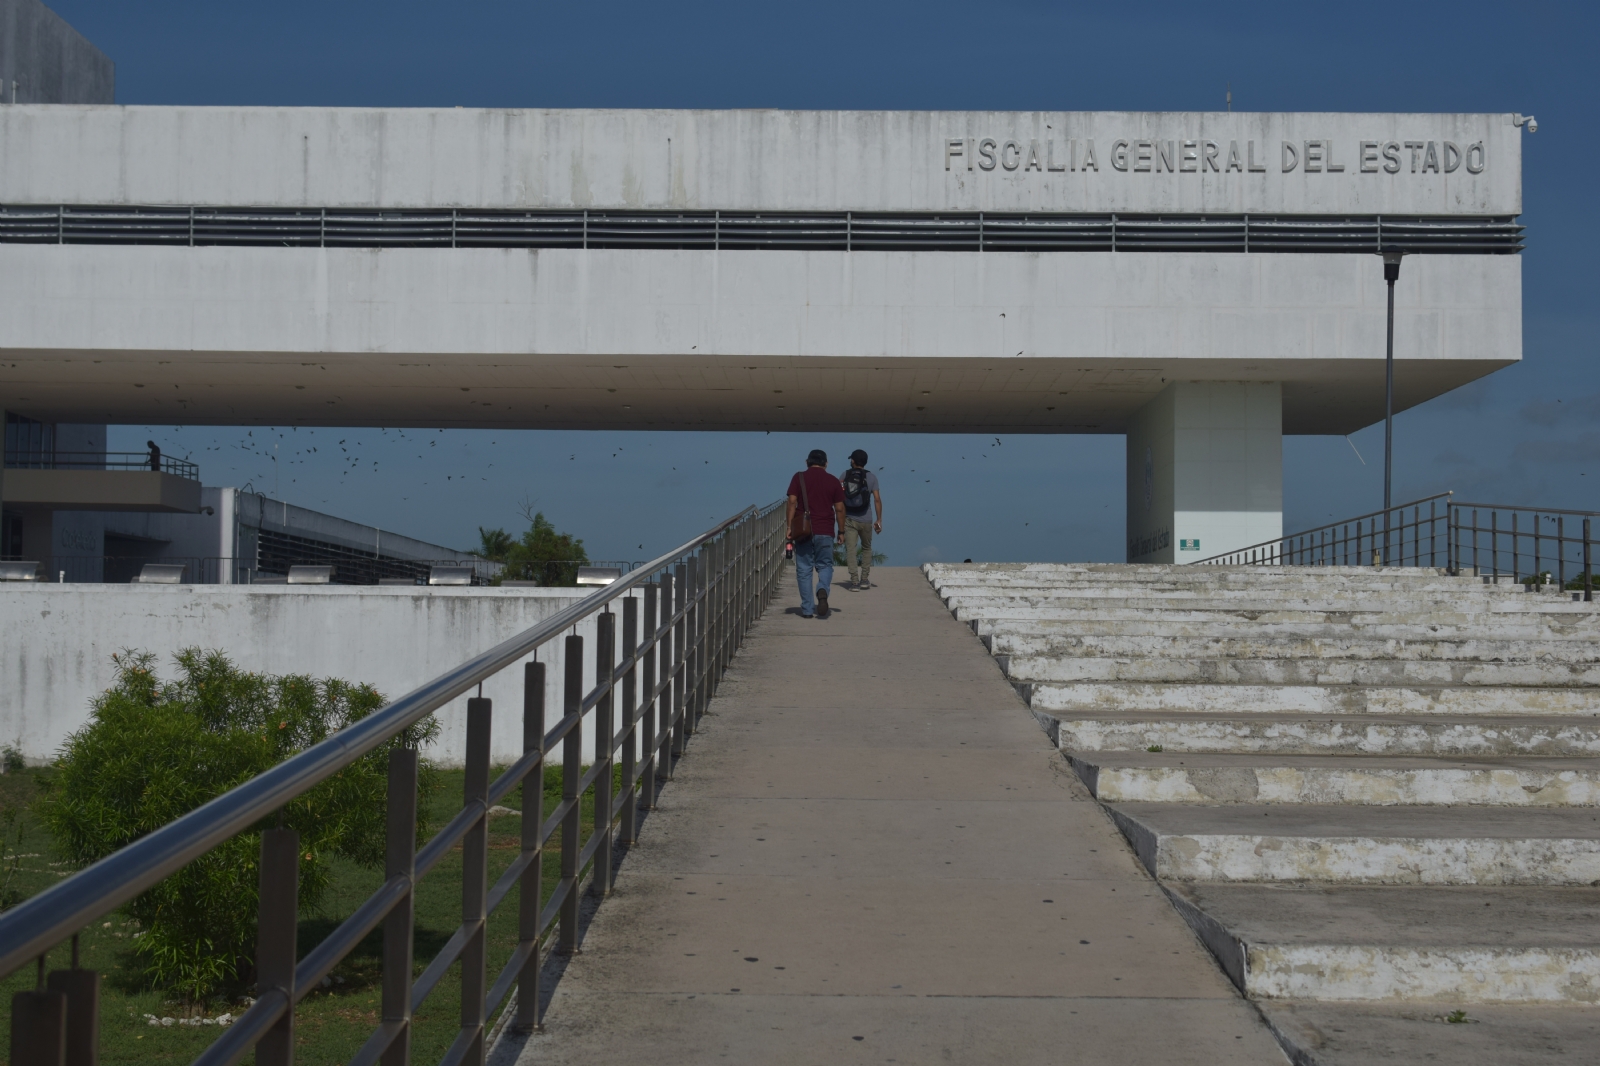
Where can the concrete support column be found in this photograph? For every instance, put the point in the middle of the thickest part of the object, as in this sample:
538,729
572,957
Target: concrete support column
1205,470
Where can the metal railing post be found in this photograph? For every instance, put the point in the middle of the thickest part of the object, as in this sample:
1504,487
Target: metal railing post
475,884
1474,542
629,830
605,643
82,991
1538,554
681,664
571,773
694,654
1561,552
38,1025
532,879
400,860
1588,580
277,927
1494,543
647,713
1516,548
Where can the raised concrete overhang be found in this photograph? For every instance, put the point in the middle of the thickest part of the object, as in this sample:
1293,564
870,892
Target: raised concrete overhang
946,342
100,490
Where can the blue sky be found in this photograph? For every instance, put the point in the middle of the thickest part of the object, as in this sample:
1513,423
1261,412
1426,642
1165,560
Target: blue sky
1528,434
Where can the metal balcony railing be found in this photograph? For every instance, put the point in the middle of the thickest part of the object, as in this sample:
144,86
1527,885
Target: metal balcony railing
166,464
845,231
683,615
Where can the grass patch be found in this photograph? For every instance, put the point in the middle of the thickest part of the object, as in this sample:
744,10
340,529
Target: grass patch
332,1022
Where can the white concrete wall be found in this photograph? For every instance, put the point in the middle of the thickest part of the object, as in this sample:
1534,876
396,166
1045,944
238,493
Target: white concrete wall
43,60
590,339
1205,471
59,639
757,159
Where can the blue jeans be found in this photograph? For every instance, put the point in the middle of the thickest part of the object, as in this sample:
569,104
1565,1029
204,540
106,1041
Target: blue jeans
814,554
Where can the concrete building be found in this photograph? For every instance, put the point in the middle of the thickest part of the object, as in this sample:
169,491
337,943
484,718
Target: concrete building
45,61
1203,282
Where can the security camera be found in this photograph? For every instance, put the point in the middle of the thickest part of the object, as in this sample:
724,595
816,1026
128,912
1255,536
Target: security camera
1525,120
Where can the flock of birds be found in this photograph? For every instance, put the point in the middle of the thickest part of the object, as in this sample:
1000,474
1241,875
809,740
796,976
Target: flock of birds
277,459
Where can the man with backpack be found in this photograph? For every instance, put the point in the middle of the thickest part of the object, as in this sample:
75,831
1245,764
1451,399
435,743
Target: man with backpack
863,516
815,511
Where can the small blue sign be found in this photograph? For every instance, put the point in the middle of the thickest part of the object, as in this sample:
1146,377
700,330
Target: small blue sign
1189,545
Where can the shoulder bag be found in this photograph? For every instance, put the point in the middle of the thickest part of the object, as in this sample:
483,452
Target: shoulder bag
800,524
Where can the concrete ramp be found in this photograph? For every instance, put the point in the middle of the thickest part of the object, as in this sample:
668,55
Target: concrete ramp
872,853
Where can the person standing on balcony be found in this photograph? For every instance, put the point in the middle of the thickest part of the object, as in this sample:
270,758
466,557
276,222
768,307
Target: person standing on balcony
815,510
863,516
155,455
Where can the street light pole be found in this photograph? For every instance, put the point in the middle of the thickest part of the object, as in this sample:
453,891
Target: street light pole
1391,274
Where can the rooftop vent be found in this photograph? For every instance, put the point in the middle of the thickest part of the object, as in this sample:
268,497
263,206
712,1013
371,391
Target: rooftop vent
18,571
598,575
310,575
160,574
450,575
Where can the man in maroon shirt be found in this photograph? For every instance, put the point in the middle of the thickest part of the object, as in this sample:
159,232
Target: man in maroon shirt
820,493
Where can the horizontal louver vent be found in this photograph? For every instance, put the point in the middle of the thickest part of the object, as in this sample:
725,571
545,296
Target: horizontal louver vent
472,228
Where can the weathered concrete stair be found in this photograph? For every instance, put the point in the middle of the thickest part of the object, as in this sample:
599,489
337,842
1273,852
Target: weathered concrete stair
1311,734
1162,777
1366,790
1444,944
1364,845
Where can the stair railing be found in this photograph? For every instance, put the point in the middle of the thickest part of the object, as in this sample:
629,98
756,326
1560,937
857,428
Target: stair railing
684,615
1538,546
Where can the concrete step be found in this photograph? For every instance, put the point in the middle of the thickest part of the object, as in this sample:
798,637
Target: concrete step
1304,734
1398,1034
1471,596
1421,944
1364,845
1308,671
1165,777
1269,626
1196,580
1310,699
1512,612
1015,644
1159,573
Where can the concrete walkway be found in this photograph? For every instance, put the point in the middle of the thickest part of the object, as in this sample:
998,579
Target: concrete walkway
872,853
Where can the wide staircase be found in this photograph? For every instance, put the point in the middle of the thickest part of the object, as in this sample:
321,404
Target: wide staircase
1373,793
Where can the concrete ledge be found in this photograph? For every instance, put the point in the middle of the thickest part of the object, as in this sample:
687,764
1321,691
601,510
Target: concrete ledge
101,490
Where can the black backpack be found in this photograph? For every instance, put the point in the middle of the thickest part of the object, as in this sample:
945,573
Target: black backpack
856,496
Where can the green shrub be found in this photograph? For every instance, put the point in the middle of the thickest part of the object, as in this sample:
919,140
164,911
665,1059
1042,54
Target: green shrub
542,554
153,751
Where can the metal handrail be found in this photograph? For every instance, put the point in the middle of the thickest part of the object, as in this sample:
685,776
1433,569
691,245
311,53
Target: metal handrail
716,603
1279,549
165,464
1462,522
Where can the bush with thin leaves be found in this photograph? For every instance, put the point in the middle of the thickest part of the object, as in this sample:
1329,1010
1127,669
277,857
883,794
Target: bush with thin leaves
154,750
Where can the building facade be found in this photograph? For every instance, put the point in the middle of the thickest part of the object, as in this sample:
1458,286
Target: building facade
1202,282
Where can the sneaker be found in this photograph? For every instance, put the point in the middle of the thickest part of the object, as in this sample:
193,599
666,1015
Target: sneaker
822,603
